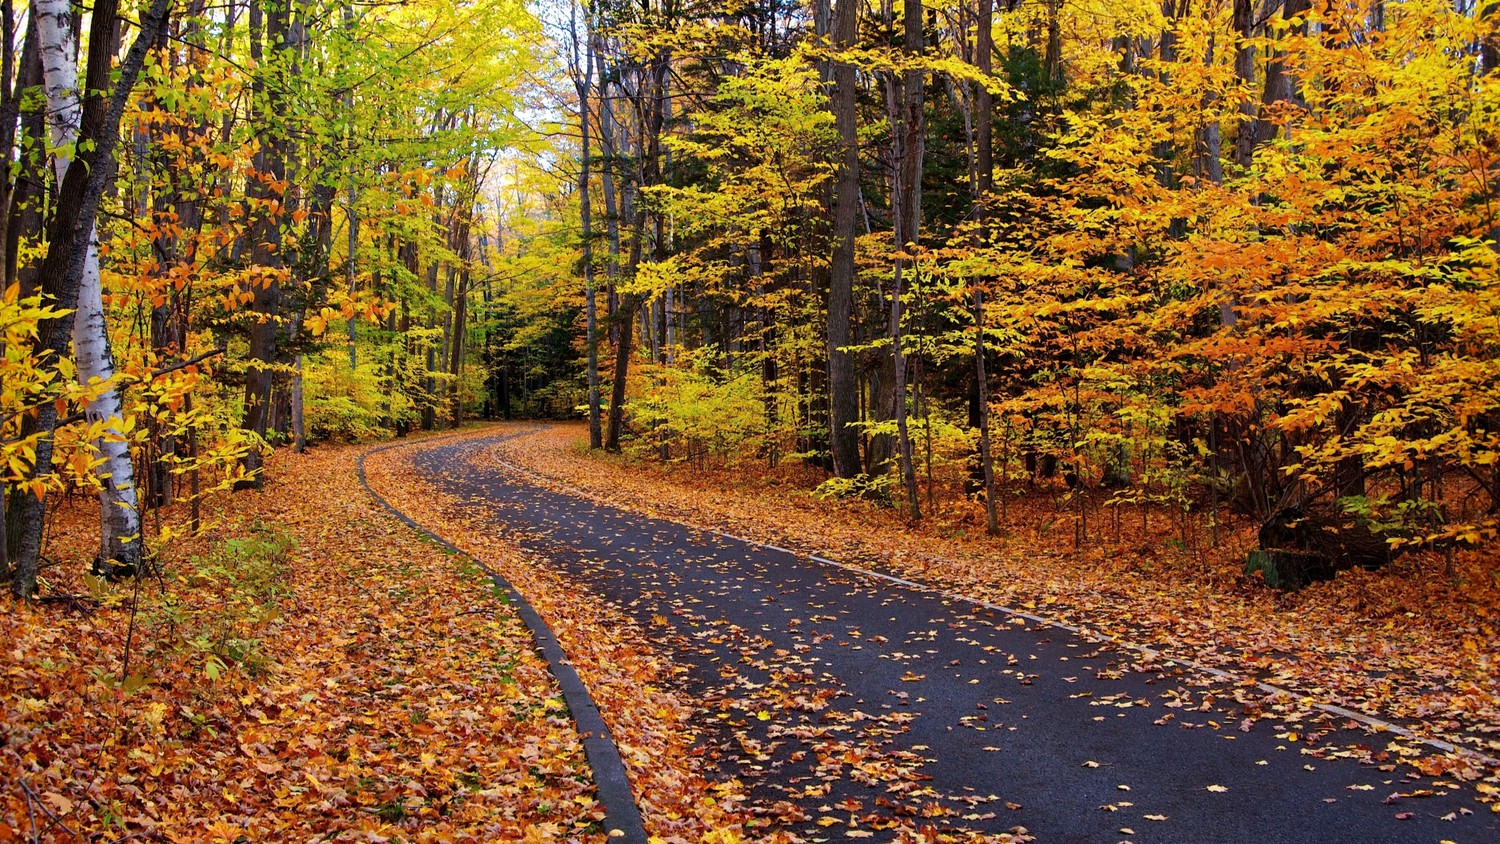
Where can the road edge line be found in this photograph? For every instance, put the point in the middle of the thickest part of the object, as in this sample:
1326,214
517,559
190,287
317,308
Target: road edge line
611,781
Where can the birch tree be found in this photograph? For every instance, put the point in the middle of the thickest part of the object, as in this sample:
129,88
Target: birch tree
72,230
120,522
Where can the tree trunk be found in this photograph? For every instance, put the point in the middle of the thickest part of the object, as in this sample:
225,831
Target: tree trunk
843,435
582,82
70,234
612,211
465,255
1489,48
650,110
119,516
1244,70
269,164
1053,58
24,219
984,56
351,278
908,214
629,304
1280,86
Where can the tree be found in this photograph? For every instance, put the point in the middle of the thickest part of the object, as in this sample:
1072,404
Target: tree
72,231
842,387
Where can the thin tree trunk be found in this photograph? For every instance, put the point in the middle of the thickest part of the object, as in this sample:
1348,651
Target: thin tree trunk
612,209
461,303
24,225
351,276
984,53
24,219
650,119
984,56
583,82
986,459
908,222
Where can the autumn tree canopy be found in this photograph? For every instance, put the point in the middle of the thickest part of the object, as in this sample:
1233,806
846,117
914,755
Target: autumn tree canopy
1196,262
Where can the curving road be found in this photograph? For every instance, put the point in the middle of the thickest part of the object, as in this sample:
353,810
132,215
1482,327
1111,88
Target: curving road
850,706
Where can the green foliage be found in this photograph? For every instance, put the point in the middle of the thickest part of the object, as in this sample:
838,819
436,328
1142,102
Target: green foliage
233,595
349,405
698,411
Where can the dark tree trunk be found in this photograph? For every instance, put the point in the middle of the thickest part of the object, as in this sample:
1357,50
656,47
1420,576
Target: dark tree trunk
1280,86
907,210
583,83
268,21
651,109
842,387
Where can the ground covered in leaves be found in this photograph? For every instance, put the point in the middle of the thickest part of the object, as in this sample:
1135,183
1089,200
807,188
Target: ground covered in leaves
308,669
1415,643
634,686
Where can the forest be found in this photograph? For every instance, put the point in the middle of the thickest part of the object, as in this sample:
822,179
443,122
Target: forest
1200,263
1196,305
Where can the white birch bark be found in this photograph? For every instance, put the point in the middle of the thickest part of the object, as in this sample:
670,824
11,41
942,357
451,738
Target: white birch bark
120,523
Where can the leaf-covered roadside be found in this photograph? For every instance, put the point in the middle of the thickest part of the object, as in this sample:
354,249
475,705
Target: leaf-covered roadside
368,687
1402,643
632,686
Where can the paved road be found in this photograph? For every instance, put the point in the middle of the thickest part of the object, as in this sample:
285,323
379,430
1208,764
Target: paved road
850,700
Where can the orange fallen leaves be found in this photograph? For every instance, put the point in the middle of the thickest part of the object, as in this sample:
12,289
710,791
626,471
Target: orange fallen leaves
399,699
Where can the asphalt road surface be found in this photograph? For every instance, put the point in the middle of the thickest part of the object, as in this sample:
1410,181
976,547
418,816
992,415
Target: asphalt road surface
848,700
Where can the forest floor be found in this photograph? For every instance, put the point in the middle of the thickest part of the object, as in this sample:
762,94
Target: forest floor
1414,643
308,670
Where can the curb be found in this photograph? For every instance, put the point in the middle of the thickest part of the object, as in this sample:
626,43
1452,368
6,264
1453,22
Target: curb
1374,723
622,817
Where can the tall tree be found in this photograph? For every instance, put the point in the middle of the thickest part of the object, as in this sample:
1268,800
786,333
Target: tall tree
583,77
650,108
265,194
906,208
72,230
984,50
843,387
120,523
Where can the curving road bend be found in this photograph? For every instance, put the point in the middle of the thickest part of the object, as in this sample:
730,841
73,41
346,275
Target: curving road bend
850,707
